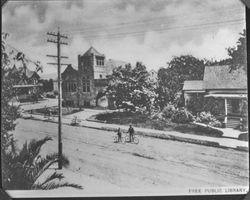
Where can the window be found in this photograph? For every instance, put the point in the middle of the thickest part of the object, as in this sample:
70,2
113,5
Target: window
86,84
99,60
69,86
86,103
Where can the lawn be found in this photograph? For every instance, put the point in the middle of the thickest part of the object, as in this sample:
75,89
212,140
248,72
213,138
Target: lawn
141,120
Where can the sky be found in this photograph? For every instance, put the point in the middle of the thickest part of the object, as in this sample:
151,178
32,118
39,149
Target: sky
148,31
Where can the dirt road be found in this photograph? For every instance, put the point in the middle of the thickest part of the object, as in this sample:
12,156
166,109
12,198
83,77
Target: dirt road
152,164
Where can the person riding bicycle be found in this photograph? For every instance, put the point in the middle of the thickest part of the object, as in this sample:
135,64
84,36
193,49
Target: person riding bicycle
119,134
131,132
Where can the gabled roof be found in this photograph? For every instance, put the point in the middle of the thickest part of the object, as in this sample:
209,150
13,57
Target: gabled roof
29,73
194,85
93,51
69,68
221,77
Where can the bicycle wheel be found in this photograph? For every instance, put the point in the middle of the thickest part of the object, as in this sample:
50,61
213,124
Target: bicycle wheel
115,139
127,139
136,140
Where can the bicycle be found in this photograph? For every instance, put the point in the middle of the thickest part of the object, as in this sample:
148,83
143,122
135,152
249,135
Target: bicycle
135,140
116,139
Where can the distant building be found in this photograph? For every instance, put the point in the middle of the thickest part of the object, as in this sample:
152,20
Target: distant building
27,86
221,82
85,86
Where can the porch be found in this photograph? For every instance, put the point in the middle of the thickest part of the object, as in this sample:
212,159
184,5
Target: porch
235,115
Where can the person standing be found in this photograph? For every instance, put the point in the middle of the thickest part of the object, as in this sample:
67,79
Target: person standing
131,132
119,134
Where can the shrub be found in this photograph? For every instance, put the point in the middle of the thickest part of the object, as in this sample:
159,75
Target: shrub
168,111
208,118
182,116
214,106
157,124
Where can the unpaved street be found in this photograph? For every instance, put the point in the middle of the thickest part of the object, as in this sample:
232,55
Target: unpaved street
153,163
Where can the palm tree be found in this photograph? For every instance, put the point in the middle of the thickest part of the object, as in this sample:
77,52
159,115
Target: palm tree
23,169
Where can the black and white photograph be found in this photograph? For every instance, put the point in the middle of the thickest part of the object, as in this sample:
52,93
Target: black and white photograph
124,98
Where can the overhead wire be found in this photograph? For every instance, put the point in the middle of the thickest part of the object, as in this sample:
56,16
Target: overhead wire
138,22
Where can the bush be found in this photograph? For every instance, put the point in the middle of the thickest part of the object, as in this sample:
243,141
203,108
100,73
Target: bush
168,111
208,118
158,124
182,116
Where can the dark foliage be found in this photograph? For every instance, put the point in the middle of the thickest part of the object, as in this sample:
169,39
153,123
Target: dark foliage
171,79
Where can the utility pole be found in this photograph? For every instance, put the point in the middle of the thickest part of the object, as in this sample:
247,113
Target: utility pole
58,41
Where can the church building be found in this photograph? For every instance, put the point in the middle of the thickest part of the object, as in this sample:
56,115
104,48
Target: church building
85,87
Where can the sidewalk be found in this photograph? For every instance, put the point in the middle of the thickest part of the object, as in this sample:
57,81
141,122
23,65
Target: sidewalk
41,104
171,135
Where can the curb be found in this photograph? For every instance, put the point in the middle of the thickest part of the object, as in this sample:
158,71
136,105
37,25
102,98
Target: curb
154,135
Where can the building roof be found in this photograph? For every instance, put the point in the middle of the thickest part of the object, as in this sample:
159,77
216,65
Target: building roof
221,77
30,65
93,51
194,85
70,69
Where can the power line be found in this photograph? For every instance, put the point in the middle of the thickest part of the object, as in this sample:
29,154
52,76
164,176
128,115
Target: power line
188,27
146,21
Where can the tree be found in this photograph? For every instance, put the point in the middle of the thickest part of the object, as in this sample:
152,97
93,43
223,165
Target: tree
130,87
27,166
171,79
9,113
238,54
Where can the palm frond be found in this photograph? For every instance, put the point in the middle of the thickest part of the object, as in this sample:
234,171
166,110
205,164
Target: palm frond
26,166
40,171
52,185
51,177
34,147
45,163
23,154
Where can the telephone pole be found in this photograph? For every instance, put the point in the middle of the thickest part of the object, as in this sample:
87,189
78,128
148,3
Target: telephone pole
58,41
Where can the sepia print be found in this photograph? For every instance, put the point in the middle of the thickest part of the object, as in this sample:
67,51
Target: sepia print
124,98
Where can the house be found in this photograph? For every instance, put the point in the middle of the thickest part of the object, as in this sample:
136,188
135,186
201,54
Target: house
85,86
28,85
222,82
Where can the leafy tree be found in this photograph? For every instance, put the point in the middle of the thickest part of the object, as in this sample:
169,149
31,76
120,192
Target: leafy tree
238,54
9,113
27,166
130,87
171,79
